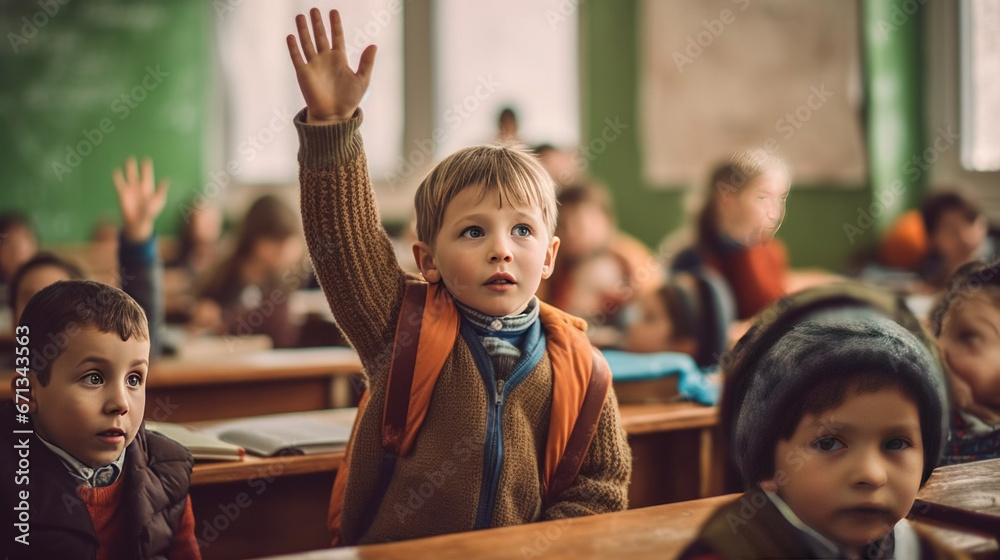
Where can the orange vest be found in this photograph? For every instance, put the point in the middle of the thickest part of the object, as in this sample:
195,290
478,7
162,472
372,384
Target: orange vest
581,380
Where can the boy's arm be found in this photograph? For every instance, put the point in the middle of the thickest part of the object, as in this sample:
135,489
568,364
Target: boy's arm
602,483
139,262
185,545
353,257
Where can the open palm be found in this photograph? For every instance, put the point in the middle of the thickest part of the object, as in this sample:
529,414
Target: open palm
332,90
139,201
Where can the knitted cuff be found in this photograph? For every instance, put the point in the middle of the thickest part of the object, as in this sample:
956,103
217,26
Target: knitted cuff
324,146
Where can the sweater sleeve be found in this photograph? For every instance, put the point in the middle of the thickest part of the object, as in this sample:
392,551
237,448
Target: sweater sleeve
601,486
142,278
351,253
185,546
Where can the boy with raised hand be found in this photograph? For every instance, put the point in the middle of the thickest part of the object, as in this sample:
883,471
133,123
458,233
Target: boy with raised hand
493,382
86,478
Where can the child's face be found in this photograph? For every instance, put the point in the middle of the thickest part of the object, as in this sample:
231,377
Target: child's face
852,472
16,248
583,229
490,258
752,215
598,288
94,402
970,345
652,330
956,239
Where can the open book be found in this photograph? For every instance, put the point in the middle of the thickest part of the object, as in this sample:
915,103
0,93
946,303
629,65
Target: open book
297,433
200,444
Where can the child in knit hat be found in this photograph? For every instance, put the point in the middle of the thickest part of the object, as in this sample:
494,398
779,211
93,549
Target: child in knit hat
835,420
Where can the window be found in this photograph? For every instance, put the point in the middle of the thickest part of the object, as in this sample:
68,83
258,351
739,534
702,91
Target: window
261,94
980,79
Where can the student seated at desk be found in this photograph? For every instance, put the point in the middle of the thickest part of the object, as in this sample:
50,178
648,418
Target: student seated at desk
735,230
500,379
967,324
957,233
18,244
835,420
250,289
98,486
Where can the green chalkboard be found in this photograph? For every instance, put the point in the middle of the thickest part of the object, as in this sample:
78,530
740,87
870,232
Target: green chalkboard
86,84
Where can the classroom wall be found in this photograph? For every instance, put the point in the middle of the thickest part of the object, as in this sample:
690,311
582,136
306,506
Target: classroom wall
815,217
89,84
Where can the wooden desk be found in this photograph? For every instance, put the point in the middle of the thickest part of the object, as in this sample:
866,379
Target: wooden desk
244,384
966,496
653,533
240,503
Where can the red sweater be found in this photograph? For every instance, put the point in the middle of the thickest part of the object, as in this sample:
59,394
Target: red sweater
756,275
110,520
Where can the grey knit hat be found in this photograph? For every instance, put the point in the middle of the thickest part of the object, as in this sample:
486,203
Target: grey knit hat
844,332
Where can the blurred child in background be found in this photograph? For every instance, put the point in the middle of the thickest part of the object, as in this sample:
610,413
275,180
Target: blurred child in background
967,324
250,289
735,230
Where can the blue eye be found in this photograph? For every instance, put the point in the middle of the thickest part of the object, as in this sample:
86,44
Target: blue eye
473,232
522,231
828,444
897,444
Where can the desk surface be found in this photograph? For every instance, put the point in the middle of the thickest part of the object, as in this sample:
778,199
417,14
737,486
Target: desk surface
657,532
966,495
637,419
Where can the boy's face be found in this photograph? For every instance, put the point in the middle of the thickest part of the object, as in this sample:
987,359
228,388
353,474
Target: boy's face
852,472
490,258
957,239
652,331
95,398
970,345
583,229
753,214
34,281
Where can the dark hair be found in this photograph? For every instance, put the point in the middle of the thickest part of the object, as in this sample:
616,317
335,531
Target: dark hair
38,261
55,315
969,278
586,193
935,205
812,367
12,220
679,312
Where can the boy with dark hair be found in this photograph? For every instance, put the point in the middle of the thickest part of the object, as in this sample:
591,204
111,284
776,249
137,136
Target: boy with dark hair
88,480
834,417
957,233
475,389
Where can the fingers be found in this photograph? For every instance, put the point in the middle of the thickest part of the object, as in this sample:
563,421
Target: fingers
367,64
337,31
131,171
304,37
147,173
293,51
160,198
119,180
322,44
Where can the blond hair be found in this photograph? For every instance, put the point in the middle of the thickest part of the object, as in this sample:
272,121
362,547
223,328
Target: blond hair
505,169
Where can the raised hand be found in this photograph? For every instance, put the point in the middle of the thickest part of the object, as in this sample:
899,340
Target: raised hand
331,89
140,203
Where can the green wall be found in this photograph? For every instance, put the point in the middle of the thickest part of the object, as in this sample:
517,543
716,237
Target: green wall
88,85
814,226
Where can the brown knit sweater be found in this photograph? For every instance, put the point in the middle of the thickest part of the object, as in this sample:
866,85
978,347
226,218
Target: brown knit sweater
435,489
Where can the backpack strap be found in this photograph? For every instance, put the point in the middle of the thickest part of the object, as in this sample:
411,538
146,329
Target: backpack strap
583,430
394,413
